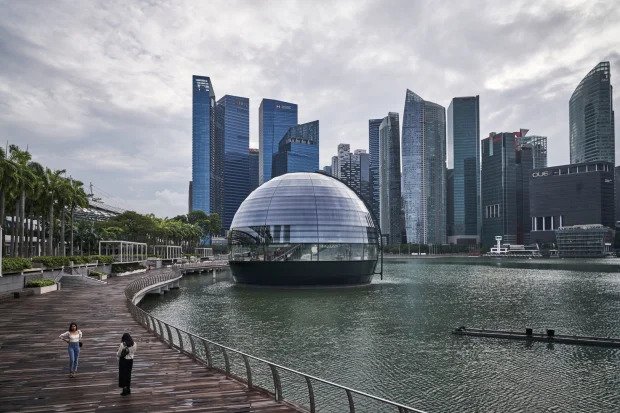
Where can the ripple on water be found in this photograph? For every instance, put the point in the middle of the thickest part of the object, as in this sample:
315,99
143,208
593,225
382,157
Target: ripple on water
392,338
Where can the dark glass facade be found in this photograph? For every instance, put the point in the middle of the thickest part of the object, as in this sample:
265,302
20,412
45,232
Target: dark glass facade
506,167
298,151
253,163
463,158
617,185
307,218
373,162
203,143
390,212
233,129
424,170
591,118
567,195
275,118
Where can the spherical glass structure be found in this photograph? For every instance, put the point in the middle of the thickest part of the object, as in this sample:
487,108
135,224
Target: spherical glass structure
303,228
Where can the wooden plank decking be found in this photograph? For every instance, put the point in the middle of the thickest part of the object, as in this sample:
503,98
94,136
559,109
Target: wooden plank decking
34,362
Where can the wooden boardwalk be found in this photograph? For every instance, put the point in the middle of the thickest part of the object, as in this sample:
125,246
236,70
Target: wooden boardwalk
34,362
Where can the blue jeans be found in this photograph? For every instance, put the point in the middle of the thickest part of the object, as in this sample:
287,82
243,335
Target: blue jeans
74,354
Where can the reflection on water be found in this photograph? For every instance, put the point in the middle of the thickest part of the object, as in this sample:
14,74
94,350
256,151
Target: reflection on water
393,339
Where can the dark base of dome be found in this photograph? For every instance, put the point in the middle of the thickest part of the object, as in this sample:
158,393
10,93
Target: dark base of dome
303,272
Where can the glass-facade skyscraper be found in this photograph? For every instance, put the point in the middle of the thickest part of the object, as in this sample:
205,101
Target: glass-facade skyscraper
591,118
298,150
373,156
233,131
507,166
390,215
203,142
253,162
463,160
275,118
424,170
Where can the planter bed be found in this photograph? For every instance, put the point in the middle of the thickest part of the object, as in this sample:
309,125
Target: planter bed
120,274
43,290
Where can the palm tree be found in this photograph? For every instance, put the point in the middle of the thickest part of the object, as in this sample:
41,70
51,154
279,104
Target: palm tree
25,176
52,185
8,179
77,198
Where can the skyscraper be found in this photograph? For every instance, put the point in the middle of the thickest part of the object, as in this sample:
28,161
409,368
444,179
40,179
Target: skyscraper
354,170
203,140
298,150
506,168
591,118
373,155
253,163
424,170
274,119
389,179
233,130
538,145
463,161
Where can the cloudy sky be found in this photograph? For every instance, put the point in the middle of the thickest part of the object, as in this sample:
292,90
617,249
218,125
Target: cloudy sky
103,88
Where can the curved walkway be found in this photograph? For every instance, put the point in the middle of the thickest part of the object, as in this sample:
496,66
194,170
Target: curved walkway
34,362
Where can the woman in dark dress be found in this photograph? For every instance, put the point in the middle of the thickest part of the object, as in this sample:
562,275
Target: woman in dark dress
125,354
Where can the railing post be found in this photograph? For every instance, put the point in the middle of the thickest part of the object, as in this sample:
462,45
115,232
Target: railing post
226,361
310,394
180,339
192,344
248,370
351,404
162,333
276,382
207,354
169,335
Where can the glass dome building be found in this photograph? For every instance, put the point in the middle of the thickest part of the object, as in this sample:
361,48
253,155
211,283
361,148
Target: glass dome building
303,229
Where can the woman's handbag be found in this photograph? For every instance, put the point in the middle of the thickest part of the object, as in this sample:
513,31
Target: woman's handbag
124,352
80,344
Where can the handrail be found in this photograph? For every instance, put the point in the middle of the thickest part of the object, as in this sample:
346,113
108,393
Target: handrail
157,326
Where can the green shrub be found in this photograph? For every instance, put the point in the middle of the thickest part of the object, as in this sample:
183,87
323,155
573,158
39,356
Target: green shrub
39,282
10,264
57,262
103,259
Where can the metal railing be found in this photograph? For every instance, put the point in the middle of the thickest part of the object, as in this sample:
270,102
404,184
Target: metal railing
205,351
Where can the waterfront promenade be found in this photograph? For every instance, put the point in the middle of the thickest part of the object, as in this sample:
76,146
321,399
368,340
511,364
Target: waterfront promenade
34,362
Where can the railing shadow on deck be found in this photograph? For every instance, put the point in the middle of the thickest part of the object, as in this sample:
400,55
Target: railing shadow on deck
218,357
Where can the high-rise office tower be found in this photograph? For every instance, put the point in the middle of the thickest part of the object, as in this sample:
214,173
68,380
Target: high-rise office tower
335,167
203,142
591,118
373,156
506,168
463,163
538,145
390,215
253,167
298,150
275,118
364,161
233,140
354,170
424,170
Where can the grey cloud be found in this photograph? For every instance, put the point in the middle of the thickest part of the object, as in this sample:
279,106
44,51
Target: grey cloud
112,79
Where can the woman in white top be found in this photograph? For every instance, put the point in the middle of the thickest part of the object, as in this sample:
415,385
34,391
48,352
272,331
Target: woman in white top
125,354
73,337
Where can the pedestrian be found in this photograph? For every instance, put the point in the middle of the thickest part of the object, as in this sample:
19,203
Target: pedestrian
73,337
125,354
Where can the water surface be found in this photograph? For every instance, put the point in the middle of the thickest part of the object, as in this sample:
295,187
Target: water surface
392,338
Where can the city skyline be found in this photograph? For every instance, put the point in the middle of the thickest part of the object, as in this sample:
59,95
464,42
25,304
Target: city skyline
115,97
